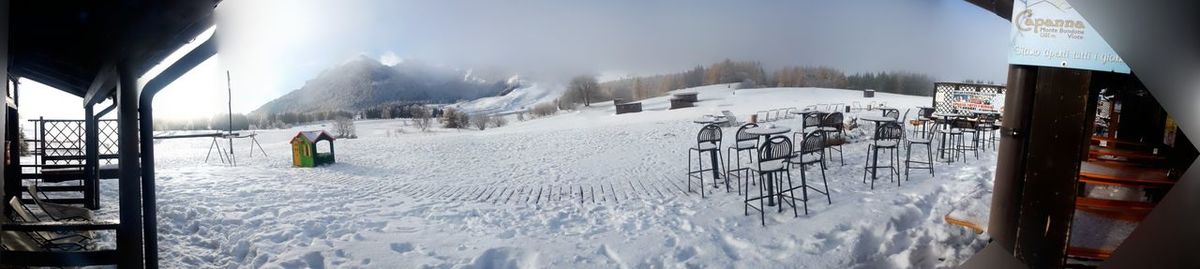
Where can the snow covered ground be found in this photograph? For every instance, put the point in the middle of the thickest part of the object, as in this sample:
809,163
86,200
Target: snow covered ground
582,189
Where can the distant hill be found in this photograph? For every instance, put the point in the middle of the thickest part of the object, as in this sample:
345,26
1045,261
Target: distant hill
363,83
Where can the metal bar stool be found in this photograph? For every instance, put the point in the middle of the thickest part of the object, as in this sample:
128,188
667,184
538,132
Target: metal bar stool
833,124
887,137
707,141
771,168
812,152
922,139
743,142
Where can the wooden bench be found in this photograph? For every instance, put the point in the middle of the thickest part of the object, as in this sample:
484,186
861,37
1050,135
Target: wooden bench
677,103
1122,210
634,107
953,220
1088,253
1124,155
1115,174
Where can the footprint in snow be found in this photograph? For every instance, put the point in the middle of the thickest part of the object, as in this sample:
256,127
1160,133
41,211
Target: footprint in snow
402,247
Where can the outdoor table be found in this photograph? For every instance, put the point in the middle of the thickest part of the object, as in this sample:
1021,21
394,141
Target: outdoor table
711,119
877,119
707,120
941,117
804,114
767,131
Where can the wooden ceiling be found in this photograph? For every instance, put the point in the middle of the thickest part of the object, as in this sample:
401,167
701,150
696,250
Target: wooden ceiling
65,43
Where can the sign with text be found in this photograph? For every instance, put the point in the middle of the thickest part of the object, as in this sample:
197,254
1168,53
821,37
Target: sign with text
1052,33
976,101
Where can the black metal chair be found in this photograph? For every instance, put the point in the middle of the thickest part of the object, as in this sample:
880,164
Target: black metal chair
966,127
771,168
743,142
919,139
887,137
891,113
948,138
834,123
812,152
811,122
986,128
707,141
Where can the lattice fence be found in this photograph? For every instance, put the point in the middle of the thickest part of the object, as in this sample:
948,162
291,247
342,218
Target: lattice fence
943,99
63,141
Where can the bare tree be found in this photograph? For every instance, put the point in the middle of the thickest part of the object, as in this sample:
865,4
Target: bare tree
452,118
499,121
422,117
585,87
344,127
543,109
481,121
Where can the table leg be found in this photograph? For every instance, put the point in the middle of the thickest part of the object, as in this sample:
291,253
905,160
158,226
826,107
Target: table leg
716,167
770,189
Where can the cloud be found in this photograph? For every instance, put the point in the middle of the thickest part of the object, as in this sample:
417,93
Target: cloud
389,58
270,45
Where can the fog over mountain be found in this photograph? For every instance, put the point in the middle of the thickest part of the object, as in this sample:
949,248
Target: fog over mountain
363,82
280,44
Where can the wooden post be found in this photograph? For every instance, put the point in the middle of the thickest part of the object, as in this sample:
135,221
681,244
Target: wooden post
129,233
1059,128
4,175
91,148
1010,161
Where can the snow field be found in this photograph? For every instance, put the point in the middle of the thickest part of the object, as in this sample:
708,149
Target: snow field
581,189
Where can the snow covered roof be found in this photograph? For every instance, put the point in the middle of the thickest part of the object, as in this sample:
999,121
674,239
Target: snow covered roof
313,136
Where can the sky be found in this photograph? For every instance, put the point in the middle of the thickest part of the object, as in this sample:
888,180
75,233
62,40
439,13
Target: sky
271,47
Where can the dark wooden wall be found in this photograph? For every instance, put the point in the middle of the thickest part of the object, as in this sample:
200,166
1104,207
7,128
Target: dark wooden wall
1037,171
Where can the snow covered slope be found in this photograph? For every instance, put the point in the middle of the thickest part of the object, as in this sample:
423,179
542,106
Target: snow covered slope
519,99
581,189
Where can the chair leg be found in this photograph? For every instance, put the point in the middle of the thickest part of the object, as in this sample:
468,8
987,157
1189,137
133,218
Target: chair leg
726,177
907,159
727,167
762,206
746,201
866,163
929,156
895,169
827,193
689,171
792,193
700,162
803,190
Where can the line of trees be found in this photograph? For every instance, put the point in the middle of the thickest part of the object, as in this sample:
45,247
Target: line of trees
216,122
894,82
748,74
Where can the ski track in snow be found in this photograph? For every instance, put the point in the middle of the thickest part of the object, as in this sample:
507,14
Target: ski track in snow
580,189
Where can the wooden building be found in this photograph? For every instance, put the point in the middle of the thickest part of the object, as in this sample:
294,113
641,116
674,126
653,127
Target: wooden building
96,50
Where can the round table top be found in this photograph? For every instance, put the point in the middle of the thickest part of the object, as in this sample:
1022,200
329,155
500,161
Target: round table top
768,130
709,121
876,118
943,115
984,112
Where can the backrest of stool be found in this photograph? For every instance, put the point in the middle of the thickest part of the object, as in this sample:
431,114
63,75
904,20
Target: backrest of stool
776,148
889,131
742,135
833,120
710,133
813,142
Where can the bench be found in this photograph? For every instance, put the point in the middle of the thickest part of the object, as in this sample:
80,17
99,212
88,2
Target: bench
626,107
